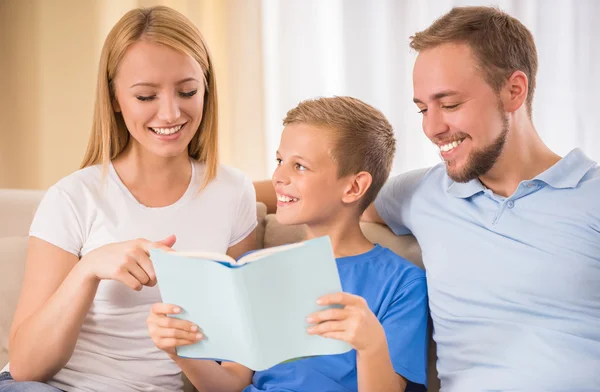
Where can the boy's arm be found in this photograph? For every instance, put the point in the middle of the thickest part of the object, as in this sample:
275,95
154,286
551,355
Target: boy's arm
265,193
356,324
375,371
209,376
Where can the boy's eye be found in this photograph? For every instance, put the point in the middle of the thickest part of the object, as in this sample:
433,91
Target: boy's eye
278,161
189,94
300,167
145,98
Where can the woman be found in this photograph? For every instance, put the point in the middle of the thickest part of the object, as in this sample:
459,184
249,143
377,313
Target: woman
150,178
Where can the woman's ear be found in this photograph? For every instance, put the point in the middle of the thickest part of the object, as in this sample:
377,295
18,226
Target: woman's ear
358,186
115,105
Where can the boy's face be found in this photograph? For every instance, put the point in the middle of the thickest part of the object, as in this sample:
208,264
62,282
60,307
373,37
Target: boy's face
305,180
462,114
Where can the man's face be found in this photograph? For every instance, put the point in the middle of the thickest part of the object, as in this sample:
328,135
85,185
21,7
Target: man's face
462,114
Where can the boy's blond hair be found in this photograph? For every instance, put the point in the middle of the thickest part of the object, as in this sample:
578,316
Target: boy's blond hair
363,137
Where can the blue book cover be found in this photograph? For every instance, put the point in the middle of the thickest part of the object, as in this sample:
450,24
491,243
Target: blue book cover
252,311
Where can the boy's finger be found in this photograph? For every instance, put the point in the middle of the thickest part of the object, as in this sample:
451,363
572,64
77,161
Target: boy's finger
341,299
327,314
162,308
179,334
174,342
328,326
171,322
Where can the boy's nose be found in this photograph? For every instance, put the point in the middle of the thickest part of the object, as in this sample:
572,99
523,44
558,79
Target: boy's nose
280,176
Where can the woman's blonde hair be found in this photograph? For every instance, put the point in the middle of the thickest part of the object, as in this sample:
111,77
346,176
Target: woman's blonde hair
165,26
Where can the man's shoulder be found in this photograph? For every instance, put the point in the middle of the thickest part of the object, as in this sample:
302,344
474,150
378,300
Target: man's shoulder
428,177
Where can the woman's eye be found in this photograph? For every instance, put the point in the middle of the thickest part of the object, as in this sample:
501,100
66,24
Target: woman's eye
189,94
145,98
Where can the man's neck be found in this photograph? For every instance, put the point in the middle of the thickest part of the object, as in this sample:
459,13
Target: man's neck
524,157
345,233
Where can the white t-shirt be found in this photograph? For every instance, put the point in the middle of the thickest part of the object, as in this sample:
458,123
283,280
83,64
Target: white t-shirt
82,212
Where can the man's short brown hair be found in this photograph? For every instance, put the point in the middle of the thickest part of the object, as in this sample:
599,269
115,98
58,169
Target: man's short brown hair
363,137
500,43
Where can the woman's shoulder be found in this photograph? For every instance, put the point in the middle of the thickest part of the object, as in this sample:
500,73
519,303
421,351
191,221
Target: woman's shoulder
87,177
227,175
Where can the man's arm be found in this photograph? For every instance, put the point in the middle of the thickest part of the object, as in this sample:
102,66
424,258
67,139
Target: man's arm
371,215
265,193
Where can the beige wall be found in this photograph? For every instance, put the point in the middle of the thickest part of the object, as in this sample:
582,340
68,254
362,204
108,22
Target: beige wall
50,51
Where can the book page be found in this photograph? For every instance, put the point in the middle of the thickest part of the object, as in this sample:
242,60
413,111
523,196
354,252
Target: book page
213,256
267,252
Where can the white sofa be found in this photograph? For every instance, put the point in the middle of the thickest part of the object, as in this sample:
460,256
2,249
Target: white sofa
17,208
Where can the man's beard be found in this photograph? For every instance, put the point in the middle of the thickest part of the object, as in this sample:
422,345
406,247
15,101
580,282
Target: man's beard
479,162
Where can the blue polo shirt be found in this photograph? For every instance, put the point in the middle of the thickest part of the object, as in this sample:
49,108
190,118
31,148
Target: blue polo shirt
513,283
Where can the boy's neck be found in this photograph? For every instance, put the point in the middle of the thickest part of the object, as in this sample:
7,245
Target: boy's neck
347,238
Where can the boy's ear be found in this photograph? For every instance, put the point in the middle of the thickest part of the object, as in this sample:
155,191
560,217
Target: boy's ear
359,184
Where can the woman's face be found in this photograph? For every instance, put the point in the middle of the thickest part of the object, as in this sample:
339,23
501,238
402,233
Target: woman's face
160,93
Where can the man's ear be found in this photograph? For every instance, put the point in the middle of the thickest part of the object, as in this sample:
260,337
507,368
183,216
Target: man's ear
357,187
514,92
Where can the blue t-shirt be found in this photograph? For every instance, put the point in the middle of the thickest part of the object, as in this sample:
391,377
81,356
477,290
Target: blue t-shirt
396,292
513,282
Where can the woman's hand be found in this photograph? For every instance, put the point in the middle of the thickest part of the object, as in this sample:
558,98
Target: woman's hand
169,332
355,323
127,262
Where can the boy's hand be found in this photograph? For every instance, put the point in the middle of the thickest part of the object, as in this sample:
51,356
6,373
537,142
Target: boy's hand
355,323
168,332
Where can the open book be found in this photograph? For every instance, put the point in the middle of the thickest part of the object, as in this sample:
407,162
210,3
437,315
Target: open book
252,311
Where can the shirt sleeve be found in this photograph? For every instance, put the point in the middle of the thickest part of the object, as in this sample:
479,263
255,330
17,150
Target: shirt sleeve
245,220
406,325
56,222
393,201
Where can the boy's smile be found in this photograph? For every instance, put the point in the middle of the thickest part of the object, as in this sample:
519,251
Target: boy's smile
305,180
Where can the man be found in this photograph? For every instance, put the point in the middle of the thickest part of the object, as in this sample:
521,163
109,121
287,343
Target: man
510,231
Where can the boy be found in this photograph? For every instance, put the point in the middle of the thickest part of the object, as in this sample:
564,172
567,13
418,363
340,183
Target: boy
334,156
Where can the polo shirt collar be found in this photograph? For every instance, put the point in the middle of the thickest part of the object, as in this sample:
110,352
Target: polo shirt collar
566,173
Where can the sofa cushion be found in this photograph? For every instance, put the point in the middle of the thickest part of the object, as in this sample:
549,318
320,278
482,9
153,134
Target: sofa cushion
12,265
17,207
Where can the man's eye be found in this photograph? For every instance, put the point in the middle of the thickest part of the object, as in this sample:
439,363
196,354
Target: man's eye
422,111
450,106
145,98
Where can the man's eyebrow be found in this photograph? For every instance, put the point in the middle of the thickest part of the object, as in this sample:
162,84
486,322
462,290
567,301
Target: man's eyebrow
438,96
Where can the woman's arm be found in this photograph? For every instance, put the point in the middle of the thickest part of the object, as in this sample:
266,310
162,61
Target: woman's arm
57,292
55,297
265,193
